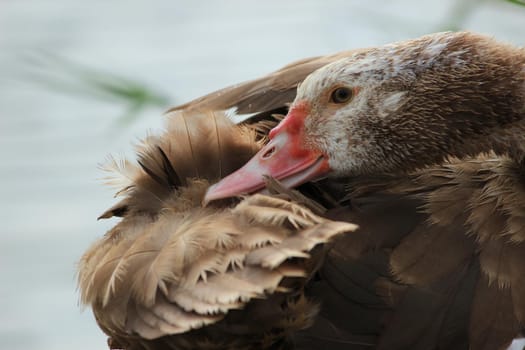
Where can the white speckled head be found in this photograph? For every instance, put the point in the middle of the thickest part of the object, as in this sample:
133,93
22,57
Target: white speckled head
371,78
403,95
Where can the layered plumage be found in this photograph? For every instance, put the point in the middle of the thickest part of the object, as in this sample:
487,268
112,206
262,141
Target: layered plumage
429,164
171,266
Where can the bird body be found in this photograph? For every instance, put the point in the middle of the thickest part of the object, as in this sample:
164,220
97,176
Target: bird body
418,143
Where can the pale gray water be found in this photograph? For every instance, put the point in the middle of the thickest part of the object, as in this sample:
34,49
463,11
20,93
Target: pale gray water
50,143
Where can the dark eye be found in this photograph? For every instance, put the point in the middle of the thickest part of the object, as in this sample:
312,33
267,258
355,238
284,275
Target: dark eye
341,95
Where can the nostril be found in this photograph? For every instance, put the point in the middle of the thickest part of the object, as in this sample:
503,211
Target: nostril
268,153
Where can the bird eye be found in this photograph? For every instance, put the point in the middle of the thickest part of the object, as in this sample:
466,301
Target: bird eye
341,95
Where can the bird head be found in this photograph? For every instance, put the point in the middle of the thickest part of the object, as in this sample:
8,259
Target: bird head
388,109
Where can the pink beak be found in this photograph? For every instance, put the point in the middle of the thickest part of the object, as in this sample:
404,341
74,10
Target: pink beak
284,158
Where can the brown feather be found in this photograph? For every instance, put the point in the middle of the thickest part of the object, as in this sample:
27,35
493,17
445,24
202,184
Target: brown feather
430,252
157,265
492,323
167,161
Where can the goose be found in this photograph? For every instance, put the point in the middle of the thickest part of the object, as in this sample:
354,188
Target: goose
402,168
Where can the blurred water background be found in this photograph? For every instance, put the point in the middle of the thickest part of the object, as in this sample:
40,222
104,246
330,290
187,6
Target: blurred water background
81,79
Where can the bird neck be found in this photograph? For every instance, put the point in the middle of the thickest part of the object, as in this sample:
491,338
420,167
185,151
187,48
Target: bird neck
479,108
